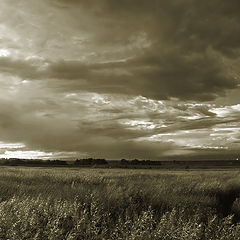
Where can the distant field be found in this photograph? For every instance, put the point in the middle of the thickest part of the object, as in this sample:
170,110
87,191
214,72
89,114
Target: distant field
85,203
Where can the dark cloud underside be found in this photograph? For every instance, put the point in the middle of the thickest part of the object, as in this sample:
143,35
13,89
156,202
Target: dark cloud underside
125,78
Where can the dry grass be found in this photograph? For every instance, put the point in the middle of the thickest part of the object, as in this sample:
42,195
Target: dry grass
62,203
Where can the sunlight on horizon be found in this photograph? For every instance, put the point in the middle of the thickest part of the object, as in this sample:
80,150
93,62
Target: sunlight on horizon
26,154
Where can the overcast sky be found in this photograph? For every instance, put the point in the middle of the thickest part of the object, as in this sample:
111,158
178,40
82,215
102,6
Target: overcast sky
120,79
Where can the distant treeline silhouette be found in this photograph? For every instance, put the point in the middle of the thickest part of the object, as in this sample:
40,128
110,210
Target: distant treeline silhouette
90,161
23,162
77,162
139,162
85,162
39,162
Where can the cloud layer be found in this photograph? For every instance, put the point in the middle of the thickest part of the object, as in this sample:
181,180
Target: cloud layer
130,78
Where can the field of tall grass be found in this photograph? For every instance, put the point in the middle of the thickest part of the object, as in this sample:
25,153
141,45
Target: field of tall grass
84,203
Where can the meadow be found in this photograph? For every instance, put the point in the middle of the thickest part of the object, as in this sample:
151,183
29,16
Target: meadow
133,204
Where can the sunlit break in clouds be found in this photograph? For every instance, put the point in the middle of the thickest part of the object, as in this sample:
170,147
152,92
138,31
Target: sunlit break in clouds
120,79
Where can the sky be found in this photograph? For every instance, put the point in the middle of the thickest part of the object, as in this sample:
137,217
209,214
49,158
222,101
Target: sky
120,79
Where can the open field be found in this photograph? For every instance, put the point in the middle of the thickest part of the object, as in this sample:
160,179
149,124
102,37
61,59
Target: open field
85,203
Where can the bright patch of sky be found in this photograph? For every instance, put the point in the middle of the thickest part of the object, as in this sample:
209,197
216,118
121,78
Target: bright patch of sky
26,154
4,52
11,145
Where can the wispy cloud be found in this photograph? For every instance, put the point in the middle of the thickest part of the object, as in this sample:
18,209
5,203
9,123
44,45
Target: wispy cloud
132,78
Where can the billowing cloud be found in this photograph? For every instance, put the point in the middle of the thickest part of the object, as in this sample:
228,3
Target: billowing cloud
190,77
89,124
130,78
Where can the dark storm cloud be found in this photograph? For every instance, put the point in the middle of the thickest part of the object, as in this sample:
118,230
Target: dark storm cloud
190,77
95,71
198,77
194,24
179,62
171,49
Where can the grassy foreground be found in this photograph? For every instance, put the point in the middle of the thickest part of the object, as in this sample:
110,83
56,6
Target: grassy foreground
75,204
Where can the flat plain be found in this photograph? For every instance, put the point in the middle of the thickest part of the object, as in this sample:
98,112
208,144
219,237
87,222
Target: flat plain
91,203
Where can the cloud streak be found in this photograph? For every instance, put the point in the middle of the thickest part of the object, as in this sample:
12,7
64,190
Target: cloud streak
130,78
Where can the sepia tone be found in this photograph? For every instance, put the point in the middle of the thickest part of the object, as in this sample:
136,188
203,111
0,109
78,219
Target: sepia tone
119,119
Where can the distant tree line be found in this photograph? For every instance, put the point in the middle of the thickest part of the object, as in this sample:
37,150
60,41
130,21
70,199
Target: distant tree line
77,162
139,162
26,162
39,162
90,161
